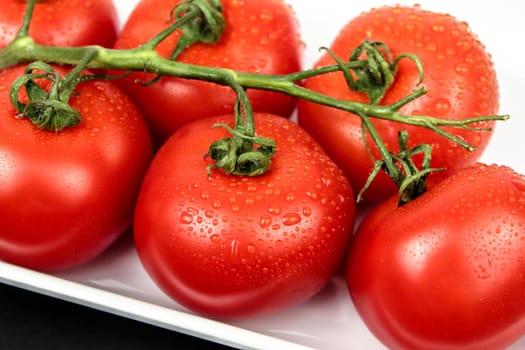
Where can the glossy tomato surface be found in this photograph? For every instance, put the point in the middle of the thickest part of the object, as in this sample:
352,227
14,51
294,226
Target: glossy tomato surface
66,196
62,22
458,75
260,36
446,271
232,247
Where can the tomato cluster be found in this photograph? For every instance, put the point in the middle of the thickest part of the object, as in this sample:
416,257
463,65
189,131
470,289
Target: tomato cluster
428,274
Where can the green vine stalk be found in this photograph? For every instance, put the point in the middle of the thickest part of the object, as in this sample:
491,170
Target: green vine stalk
201,20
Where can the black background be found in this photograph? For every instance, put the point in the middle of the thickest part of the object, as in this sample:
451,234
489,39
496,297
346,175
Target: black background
29,320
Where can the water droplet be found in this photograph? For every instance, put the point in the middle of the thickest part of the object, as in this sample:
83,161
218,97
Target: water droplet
291,219
275,210
484,274
442,106
327,182
484,269
266,15
307,211
464,45
462,69
438,27
431,47
311,195
186,218
234,248
265,221
215,238
217,204
251,248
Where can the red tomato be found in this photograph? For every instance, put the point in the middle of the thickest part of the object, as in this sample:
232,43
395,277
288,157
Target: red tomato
459,78
447,270
66,196
62,22
230,246
260,36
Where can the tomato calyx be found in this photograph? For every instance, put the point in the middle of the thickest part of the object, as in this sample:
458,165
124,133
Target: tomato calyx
206,22
410,179
198,20
244,153
378,73
48,110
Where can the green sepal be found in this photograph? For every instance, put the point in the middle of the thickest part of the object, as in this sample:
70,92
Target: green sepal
237,155
48,110
378,74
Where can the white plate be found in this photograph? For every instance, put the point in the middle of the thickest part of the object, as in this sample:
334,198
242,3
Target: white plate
116,282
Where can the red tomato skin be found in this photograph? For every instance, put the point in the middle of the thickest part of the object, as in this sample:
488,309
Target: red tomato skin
260,36
66,196
236,247
445,271
459,77
62,22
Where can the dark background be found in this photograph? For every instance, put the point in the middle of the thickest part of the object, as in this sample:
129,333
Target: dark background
29,320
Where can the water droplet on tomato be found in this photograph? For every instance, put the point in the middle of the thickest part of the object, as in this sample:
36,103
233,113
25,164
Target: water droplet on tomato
484,274
438,27
186,218
464,45
274,210
462,69
291,219
312,195
234,248
265,221
307,211
215,238
442,106
266,15
251,248
326,181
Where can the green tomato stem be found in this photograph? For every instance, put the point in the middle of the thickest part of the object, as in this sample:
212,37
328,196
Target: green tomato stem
146,60
205,24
